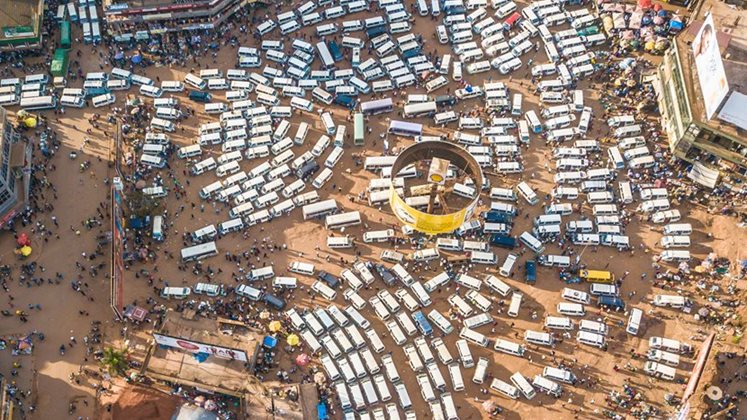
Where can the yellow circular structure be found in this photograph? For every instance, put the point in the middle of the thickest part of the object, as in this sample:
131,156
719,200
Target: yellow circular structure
434,224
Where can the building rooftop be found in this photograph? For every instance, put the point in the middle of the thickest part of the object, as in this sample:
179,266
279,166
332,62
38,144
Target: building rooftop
732,40
19,14
208,331
141,4
215,373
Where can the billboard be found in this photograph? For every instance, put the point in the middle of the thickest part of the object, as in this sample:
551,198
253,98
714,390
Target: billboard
194,347
709,66
733,110
430,224
116,278
117,264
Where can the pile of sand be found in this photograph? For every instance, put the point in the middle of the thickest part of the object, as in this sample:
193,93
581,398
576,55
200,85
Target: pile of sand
142,403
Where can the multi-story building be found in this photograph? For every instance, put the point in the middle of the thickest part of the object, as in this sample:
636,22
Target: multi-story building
717,147
21,22
15,157
160,16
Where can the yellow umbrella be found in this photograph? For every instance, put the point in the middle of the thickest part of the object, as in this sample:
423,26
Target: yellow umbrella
30,122
293,340
26,251
275,326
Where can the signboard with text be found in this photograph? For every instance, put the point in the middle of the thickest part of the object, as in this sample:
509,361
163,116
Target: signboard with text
195,347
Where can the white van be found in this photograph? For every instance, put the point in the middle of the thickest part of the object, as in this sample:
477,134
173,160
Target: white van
442,351
301,268
593,326
659,370
532,242
455,373
590,338
601,289
507,267
248,292
285,282
548,386
175,292
70,101
497,285
667,344
562,375
161,124
558,323
571,309
513,309
465,356
672,301
468,282
509,347
539,338
395,331
665,357
324,290
473,336
678,229
103,100
675,241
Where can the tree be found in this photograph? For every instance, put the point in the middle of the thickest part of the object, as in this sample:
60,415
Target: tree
115,361
141,205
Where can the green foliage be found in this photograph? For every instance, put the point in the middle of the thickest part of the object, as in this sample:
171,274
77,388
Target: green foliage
115,361
141,205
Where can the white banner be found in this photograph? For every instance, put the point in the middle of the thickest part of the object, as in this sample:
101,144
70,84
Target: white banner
709,66
193,347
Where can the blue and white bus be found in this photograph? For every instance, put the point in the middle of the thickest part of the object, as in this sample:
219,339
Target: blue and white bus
405,129
379,106
422,323
325,55
616,159
534,123
39,103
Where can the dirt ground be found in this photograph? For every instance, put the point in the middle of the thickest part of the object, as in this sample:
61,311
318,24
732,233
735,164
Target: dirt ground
79,194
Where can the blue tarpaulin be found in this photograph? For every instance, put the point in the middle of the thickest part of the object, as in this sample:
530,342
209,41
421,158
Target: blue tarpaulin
675,25
270,342
321,409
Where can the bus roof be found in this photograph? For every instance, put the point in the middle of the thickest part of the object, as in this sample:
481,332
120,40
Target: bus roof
596,274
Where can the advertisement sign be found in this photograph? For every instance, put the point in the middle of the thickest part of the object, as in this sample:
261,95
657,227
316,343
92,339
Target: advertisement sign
194,347
710,68
430,224
733,110
117,7
18,31
117,263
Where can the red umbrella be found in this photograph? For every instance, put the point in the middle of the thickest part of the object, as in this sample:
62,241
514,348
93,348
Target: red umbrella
23,239
644,4
303,359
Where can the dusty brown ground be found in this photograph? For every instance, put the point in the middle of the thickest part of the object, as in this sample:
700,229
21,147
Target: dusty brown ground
79,195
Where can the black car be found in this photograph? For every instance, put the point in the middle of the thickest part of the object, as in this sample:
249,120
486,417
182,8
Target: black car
274,301
308,169
445,100
385,274
331,280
